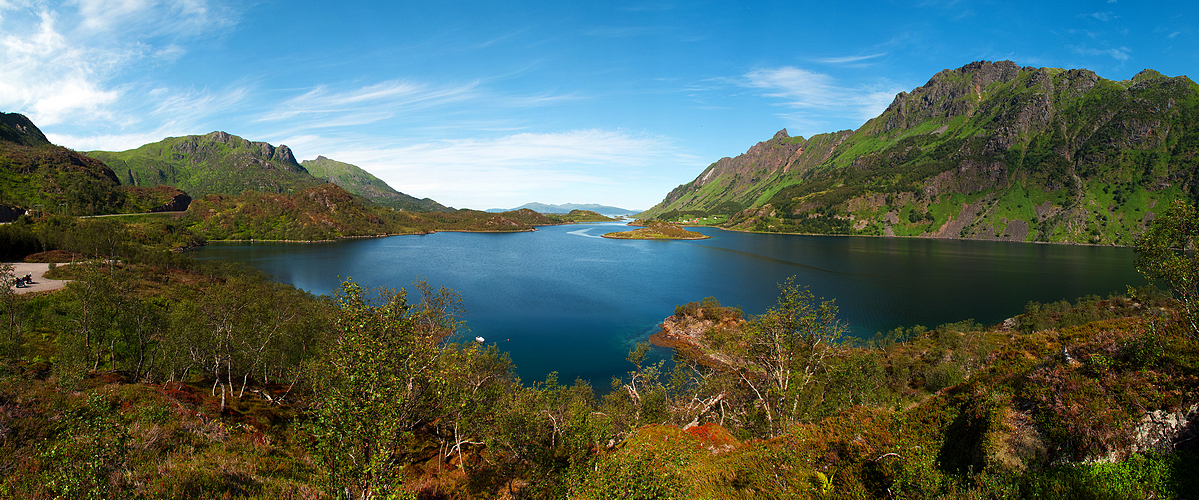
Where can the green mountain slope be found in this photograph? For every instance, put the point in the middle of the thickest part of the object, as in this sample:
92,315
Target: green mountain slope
986,151
215,163
362,183
36,175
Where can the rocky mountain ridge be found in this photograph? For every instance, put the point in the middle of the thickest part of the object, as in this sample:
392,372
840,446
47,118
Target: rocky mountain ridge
985,151
214,163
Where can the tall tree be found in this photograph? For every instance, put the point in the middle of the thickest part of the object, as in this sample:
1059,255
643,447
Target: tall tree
1166,253
374,384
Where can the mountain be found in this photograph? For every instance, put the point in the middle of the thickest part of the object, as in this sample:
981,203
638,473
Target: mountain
16,128
362,183
546,208
215,163
990,151
36,175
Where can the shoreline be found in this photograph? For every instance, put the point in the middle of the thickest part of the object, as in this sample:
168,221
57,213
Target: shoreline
1112,245
418,233
534,229
611,237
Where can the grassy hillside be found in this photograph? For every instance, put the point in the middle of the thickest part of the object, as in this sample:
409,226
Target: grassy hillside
215,163
37,176
362,183
986,151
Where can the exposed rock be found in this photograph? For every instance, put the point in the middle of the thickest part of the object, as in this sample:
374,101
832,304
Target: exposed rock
1163,431
178,203
9,214
685,334
1012,133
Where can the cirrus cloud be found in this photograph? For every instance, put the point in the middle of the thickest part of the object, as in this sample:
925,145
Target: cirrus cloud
808,93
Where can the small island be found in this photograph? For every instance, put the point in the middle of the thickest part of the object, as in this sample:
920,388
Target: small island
657,230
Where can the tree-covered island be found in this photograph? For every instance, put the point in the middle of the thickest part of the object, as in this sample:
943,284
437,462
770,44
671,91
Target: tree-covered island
656,230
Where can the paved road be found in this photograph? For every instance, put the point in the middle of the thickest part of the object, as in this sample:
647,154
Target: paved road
36,270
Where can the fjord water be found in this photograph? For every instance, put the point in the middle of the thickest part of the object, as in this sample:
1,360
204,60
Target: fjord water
563,299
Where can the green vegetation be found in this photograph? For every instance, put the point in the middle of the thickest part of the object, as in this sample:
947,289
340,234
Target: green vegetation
154,375
215,163
580,216
657,230
1166,254
55,180
1089,169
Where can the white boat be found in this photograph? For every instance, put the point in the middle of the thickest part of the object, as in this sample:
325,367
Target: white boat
479,340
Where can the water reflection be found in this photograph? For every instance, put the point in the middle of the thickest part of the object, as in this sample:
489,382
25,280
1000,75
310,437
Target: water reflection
563,299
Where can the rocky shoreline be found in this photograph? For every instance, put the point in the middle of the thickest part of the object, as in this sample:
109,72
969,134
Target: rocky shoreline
685,334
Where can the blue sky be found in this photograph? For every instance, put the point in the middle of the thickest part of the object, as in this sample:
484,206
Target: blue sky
496,104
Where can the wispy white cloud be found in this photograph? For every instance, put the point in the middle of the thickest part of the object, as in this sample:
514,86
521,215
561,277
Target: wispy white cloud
849,59
78,61
370,103
168,112
806,91
190,105
43,73
173,18
798,87
115,142
1120,54
1103,16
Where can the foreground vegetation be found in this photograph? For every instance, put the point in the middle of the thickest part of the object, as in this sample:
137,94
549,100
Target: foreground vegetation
152,375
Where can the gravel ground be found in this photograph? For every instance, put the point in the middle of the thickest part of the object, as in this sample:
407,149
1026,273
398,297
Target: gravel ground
36,270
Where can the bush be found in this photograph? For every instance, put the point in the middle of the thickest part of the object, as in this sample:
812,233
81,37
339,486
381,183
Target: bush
942,376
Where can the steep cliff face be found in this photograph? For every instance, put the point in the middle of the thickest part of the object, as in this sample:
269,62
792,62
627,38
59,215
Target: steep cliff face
214,163
985,151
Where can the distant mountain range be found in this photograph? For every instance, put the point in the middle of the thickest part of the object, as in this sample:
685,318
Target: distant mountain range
546,208
987,151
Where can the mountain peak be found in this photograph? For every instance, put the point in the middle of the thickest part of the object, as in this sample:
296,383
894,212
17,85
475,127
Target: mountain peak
17,128
990,150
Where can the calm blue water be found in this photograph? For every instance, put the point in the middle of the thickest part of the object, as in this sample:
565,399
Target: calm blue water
563,299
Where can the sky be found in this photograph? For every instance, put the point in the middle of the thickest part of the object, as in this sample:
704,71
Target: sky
490,104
